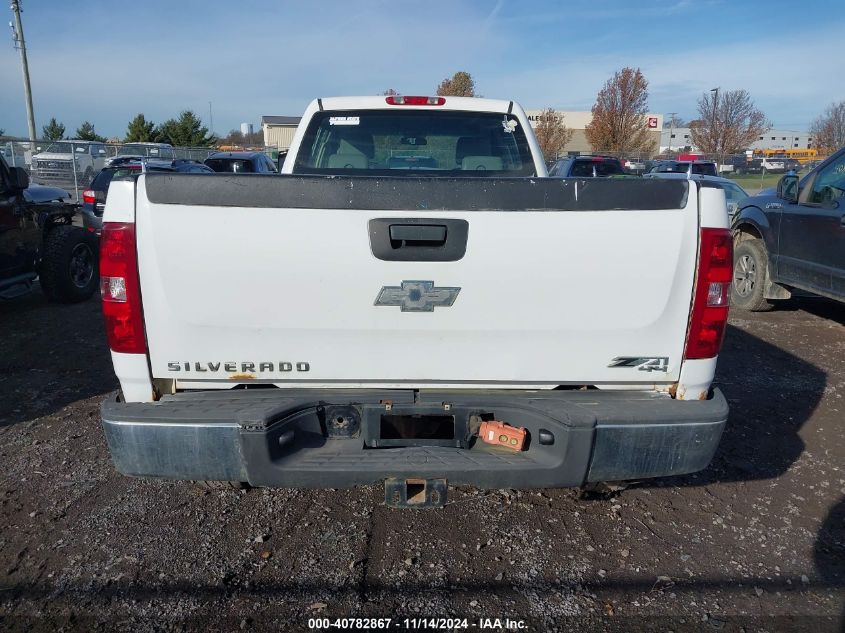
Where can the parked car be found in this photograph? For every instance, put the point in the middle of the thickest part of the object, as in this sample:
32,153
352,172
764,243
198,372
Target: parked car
163,151
792,238
241,162
40,238
634,165
734,194
55,162
742,164
792,164
371,302
587,167
94,197
773,164
698,167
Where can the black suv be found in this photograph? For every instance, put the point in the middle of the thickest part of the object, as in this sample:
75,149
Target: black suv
241,162
793,237
94,198
39,239
695,167
587,167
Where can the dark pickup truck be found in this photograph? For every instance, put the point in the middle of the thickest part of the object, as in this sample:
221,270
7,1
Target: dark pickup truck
792,238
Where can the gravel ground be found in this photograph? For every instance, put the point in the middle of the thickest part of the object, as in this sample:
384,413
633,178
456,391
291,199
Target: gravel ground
754,543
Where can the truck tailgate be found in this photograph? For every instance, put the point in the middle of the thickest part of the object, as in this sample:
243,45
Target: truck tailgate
275,279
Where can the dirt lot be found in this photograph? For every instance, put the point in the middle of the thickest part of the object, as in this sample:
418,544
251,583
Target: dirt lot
754,543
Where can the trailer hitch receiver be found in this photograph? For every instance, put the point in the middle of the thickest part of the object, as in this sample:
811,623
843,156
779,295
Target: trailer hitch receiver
415,493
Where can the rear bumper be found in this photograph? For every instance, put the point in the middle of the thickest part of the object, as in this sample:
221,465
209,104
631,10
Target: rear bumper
316,438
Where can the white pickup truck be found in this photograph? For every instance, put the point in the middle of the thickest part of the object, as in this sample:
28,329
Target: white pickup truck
412,275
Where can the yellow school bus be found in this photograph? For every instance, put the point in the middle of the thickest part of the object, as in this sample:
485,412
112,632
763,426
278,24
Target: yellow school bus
801,155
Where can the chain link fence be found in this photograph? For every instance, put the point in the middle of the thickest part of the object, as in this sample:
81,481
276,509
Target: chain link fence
72,165
758,163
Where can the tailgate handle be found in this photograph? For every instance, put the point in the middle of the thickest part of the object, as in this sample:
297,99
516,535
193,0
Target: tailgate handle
411,235
418,239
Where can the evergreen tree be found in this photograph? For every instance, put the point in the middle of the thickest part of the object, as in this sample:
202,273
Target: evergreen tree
86,132
140,130
186,131
53,131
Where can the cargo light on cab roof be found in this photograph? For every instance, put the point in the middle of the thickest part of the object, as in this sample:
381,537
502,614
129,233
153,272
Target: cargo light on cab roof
415,101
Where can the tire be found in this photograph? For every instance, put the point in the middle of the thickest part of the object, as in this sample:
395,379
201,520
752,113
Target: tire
68,271
749,277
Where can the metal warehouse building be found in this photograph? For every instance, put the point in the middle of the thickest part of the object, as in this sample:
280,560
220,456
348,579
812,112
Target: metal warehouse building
278,130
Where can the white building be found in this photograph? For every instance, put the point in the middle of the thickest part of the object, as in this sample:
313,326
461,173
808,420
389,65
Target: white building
783,139
679,139
676,139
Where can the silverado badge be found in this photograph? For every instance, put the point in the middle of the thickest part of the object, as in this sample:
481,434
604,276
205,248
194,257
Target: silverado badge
417,296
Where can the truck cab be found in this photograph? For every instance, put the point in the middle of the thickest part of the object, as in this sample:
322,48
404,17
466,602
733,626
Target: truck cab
792,238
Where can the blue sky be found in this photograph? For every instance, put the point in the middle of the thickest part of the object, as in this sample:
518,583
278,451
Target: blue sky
105,61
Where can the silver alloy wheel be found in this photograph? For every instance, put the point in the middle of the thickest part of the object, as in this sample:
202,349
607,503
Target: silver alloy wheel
81,265
745,275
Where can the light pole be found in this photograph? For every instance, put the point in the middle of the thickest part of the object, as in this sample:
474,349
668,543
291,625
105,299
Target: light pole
713,135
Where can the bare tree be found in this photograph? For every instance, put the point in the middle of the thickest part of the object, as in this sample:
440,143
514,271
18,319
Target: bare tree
552,133
828,129
619,122
390,92
675,121
727,123
461,84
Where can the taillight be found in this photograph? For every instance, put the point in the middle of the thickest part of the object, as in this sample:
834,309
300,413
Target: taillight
417,101
709,316
120,289
89,197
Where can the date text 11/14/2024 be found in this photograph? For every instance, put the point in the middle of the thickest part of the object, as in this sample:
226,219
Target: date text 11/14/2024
418,624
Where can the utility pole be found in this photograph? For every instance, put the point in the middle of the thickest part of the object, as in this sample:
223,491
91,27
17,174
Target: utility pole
671,129
20,44
210,119
713,136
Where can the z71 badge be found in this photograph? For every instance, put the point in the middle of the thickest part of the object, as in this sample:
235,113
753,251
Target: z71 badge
643,363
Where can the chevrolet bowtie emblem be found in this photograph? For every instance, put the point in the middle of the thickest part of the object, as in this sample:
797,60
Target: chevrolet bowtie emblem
417,296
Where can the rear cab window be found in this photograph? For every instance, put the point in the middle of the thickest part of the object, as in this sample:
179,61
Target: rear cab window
105,176
387,142
237,165
705,169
